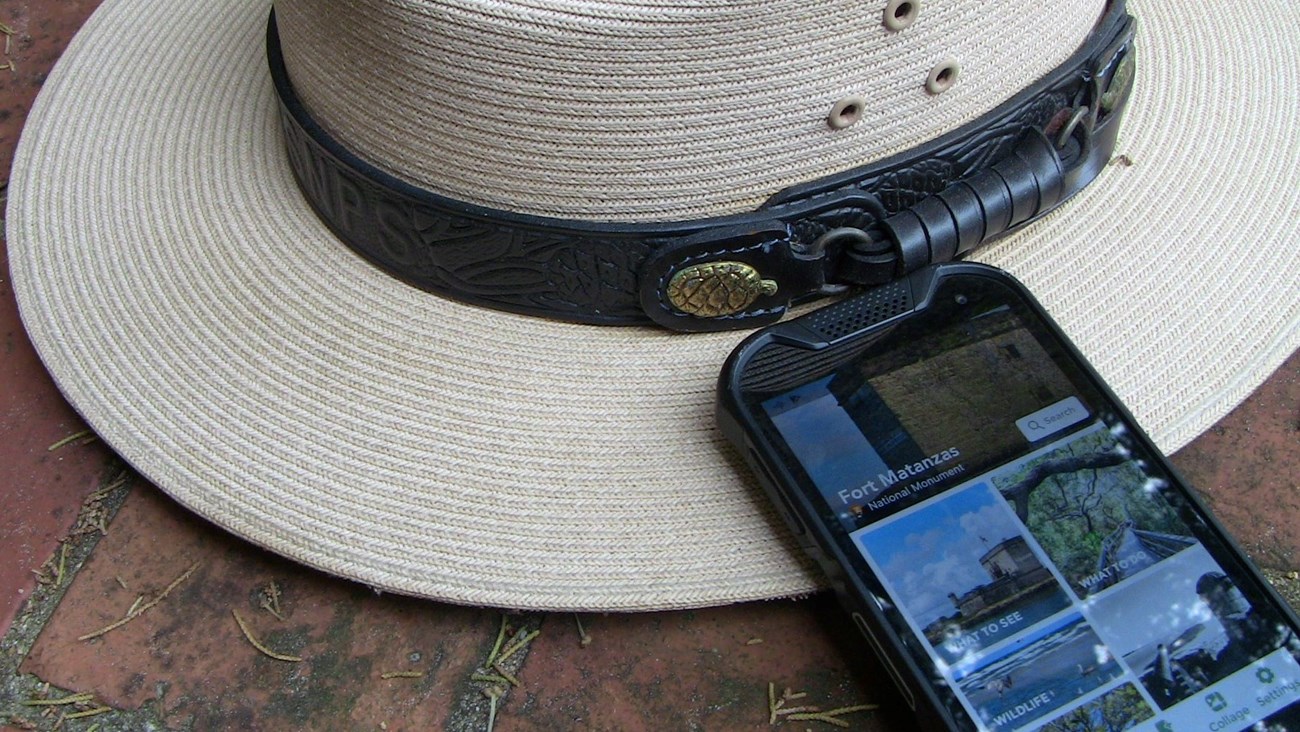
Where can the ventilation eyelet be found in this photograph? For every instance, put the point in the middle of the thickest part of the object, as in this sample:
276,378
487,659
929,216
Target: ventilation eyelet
899,14
846,112
943,76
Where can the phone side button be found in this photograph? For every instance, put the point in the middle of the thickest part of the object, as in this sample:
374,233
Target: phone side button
783,506
903,688
791,518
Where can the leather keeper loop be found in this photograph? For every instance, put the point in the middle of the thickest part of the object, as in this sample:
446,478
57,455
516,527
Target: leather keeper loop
912,239
995,205
940,227
968,218
1015,190
1045,166
1023,187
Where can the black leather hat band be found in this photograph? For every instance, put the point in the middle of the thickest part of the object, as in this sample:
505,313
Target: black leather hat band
860,227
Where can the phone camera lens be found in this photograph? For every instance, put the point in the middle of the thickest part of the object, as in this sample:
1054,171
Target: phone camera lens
960,300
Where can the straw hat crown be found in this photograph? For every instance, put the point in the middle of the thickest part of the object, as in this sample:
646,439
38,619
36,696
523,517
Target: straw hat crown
661,110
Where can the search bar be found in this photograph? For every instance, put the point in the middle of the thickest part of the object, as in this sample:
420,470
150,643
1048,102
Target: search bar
1050,420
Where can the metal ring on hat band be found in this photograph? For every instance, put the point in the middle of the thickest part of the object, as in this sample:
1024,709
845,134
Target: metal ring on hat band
861,227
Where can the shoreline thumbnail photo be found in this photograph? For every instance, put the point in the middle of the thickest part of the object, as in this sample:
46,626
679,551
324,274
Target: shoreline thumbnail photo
963,571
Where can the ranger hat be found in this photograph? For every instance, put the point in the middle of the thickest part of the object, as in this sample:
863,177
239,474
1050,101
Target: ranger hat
433,295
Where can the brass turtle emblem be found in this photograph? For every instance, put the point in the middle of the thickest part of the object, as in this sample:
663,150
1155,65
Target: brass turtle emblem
717,288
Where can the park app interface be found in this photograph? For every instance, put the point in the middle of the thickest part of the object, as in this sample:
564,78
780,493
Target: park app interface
1031,545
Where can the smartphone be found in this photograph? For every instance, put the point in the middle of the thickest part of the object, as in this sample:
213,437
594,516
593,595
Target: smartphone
1016,550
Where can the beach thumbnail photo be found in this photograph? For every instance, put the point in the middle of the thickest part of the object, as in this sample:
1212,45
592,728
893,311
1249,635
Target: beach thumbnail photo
1183,626
1095,513
962,570
1037,673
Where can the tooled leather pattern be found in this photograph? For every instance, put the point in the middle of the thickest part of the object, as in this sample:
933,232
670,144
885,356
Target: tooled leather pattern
465,257
607,280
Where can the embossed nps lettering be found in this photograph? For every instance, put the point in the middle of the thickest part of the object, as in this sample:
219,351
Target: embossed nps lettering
347,201
397,235
340,201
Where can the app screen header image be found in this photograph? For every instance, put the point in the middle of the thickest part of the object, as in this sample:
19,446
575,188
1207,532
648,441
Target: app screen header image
968,387
961,569
829,441
884,433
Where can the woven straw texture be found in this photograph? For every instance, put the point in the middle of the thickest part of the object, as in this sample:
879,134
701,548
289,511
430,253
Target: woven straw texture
656,110
203,321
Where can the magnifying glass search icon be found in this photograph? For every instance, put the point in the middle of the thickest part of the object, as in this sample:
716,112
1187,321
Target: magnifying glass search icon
1052,419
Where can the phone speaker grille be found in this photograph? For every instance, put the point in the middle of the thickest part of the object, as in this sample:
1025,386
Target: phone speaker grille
862,311
779,366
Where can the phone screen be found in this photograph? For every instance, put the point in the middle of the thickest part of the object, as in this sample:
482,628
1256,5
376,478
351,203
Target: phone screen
1048,571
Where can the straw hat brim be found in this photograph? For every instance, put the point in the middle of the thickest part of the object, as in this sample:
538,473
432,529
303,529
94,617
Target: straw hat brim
203,321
